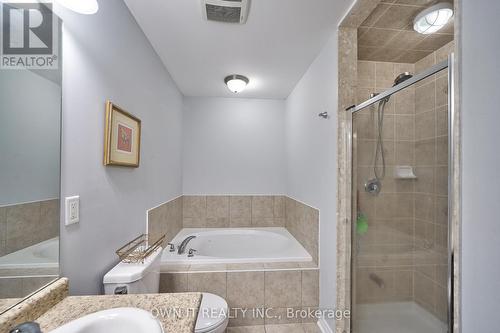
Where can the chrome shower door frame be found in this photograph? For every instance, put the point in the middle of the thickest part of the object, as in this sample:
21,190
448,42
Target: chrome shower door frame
452,187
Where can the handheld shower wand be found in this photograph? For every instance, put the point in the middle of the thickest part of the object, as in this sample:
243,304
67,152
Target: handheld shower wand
374,186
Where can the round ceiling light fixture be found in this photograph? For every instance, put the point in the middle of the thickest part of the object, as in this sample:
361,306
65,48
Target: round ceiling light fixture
433,18
236,83
87,7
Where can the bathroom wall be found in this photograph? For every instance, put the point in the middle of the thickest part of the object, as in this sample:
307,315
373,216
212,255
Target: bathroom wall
106,56
30,165
480,289
233,146
311,150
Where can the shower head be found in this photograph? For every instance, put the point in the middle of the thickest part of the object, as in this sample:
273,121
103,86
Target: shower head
399,79
402,77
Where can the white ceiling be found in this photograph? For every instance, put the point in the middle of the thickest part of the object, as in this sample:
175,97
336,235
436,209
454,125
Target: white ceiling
274,48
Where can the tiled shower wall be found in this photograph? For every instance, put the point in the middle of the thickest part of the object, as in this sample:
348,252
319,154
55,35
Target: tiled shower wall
385,251
406,243
301,220
27,224
431,189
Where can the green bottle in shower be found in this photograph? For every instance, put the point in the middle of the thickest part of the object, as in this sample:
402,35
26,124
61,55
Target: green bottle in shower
361,219
361,224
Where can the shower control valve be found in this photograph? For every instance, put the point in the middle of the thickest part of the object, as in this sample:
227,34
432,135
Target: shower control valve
191,253
373,186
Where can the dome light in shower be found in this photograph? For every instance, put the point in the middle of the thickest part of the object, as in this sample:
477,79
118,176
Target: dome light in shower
86,7
433,18
236,83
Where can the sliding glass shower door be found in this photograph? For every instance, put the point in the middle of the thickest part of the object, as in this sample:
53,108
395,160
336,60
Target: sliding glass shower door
400,237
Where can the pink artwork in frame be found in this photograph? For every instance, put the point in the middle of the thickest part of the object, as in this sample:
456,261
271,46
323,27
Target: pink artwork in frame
124,142
122,137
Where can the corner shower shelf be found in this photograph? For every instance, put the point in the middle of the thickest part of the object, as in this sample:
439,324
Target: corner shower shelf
404,172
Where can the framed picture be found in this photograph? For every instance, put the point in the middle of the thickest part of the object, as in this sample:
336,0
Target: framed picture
122,137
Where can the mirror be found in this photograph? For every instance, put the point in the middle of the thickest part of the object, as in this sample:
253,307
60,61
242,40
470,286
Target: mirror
30,131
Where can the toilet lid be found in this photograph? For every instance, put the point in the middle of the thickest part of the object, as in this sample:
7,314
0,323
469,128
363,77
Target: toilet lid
213,313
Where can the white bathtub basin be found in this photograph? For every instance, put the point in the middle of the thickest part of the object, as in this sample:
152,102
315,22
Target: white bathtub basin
41,255
119,320
237,245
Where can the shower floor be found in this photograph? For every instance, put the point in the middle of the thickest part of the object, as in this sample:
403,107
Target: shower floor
404,317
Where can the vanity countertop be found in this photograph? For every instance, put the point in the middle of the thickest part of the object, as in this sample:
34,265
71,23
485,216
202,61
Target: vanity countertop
179,321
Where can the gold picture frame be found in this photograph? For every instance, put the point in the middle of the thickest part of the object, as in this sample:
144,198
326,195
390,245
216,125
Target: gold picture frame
122,137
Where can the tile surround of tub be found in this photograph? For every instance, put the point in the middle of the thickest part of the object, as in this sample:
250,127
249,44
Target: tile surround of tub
233,211
300,220
18,286
246,267
255,285
276,289
26,224
165,219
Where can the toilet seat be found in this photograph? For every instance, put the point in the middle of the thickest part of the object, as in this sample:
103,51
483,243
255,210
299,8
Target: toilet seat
212,316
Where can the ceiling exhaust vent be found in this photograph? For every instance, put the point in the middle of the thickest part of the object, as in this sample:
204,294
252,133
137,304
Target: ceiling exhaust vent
228,11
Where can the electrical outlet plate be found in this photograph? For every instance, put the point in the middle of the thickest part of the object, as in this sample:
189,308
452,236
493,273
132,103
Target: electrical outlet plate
72,210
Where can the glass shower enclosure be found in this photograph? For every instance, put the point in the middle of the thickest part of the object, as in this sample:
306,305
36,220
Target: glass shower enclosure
401,261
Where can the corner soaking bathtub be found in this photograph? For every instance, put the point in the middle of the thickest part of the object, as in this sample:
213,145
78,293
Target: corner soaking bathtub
237,246
44,255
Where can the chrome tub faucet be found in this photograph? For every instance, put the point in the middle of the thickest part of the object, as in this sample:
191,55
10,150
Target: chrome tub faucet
182,247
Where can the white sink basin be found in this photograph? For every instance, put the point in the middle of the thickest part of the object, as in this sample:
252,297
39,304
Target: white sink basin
119,320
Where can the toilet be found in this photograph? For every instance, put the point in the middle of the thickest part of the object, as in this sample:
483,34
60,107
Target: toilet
212,317
144,278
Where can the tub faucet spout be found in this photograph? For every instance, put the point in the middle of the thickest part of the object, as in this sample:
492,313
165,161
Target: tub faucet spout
182,247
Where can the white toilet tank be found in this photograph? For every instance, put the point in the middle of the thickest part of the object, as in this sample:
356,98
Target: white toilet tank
140,278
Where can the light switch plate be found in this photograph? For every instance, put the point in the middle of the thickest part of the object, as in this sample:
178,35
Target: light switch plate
72,210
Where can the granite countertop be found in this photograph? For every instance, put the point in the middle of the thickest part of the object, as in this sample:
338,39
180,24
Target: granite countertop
180,321
6,303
